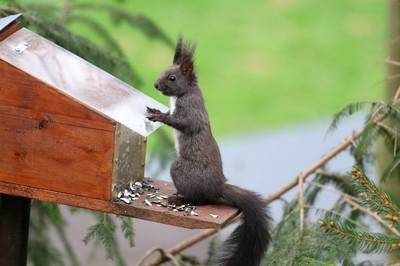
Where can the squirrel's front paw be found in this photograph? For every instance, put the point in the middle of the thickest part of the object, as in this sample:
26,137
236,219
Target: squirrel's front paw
153,111
155,115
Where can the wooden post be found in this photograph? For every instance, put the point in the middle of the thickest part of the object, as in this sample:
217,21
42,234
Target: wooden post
14,229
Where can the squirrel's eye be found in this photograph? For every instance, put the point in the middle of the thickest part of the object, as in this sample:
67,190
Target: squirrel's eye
172,78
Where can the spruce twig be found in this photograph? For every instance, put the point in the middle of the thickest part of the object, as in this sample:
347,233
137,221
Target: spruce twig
375,198
354,202
368,242
337,214
373,215
380,207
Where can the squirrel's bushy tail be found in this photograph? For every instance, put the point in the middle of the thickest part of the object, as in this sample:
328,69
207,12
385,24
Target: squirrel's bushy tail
247,244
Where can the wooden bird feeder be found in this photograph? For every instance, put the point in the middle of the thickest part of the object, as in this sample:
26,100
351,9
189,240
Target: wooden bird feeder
70,132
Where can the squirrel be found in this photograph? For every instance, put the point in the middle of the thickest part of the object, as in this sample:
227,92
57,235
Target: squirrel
197,171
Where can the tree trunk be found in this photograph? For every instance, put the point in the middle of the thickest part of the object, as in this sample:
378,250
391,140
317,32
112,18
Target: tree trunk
392,184
393,82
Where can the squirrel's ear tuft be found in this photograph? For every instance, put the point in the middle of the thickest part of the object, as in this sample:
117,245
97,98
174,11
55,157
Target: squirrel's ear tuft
184,57
187,66
178,51
187,63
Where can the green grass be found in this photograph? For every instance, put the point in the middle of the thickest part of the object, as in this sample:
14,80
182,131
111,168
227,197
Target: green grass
266,63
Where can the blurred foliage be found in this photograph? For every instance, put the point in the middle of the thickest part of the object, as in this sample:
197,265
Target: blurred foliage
51,21
40,250
264,63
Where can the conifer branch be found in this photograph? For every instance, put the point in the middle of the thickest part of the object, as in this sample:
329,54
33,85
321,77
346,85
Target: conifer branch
143,23
67,245
381,207
335,213
101,32
354,202
373,215
128,230
368,242
375,198
349,110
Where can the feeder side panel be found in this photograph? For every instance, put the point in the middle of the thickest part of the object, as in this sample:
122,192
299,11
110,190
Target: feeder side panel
49,141
129,156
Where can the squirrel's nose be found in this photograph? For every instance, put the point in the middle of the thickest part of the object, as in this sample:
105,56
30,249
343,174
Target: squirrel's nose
156,85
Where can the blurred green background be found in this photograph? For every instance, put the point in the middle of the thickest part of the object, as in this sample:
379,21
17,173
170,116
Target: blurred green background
263,63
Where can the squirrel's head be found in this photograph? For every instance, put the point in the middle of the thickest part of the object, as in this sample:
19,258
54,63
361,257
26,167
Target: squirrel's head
179,78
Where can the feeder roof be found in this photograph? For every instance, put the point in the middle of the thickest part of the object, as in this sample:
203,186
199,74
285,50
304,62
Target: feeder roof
78,79
4,22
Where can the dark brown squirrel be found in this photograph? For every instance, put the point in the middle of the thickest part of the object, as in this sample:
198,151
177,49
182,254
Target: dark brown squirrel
197,171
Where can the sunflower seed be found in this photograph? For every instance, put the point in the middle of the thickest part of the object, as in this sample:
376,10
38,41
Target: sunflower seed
131,186
126,200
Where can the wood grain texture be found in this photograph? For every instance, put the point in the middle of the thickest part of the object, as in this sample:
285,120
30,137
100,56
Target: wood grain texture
18,89
136,210
51,142
55,156
10,29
